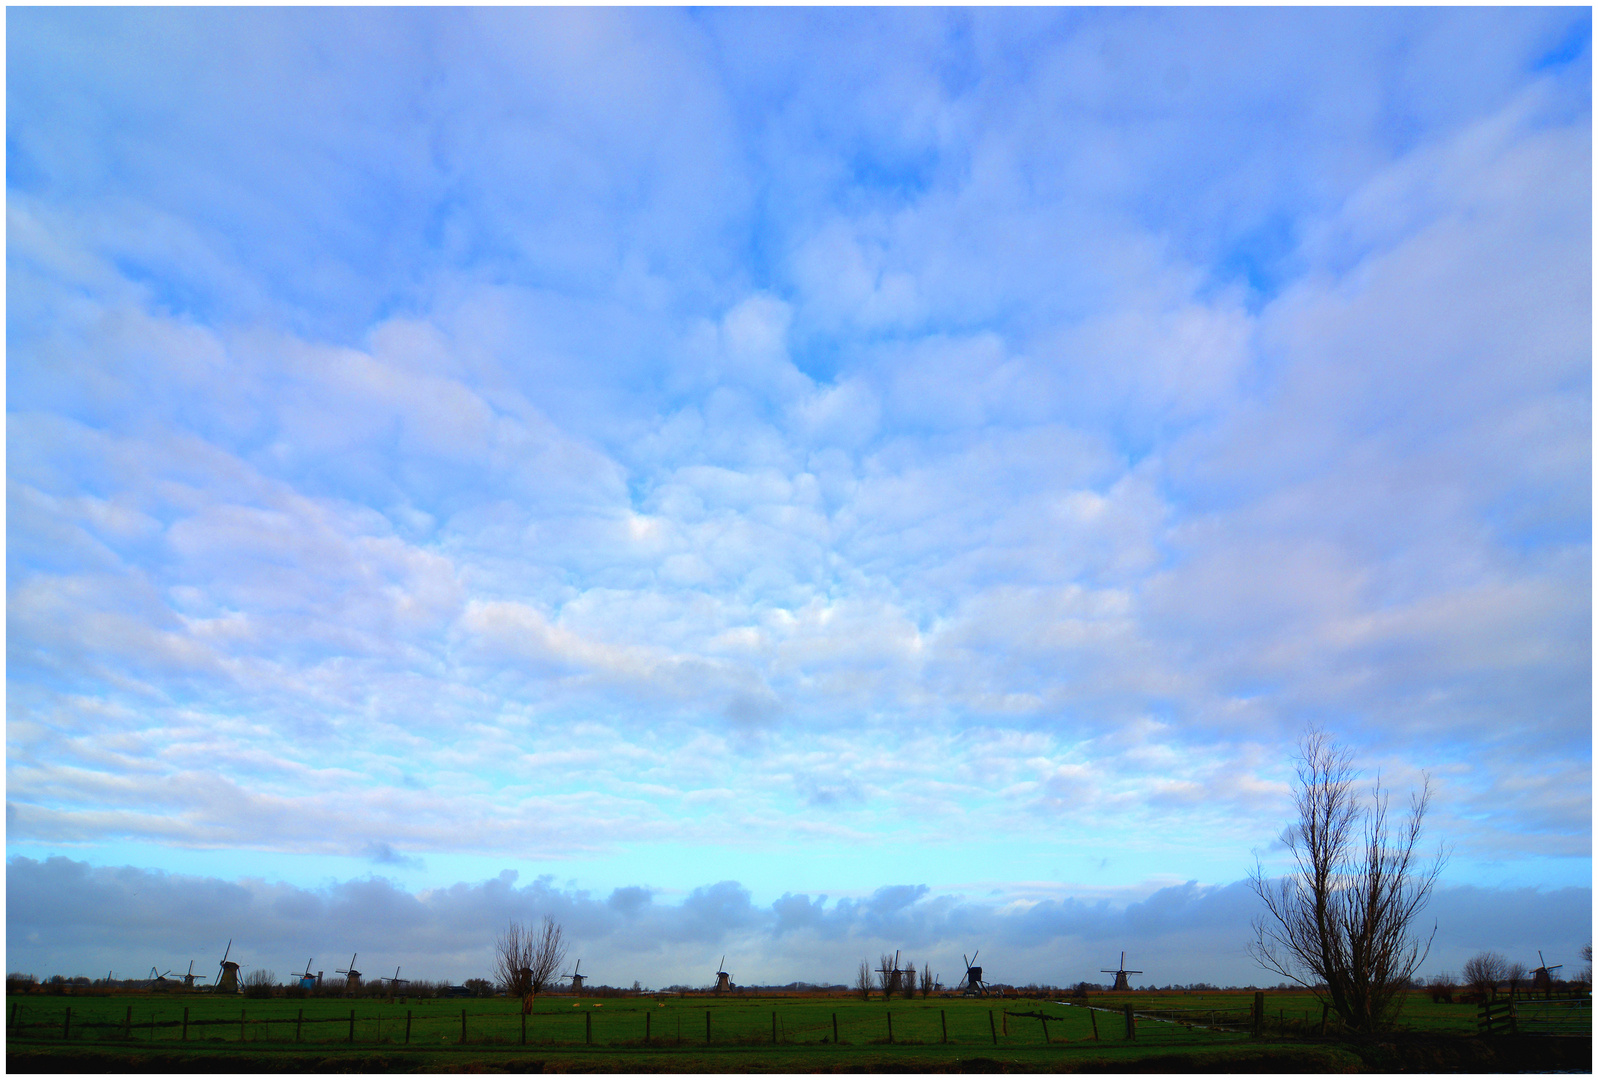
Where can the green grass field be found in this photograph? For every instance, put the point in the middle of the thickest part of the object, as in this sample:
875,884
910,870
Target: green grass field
1207,1031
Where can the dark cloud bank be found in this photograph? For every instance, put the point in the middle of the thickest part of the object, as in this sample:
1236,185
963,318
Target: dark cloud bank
69,917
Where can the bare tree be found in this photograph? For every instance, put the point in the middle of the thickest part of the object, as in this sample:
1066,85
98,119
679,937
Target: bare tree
1584,975
527,957
1484,971
512,956
862,980
908,983
1339,924
926,980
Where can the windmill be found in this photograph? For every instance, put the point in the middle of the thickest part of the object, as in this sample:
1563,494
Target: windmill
188,979
352,978
892,977
158,980
973,976
1543,978
577,979
227,975
723,980
1120,974
308,981
395,981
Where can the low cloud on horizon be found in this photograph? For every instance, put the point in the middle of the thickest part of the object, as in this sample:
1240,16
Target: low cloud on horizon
68,917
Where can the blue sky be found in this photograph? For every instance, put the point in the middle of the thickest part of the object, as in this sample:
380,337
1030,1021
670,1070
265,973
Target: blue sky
786,482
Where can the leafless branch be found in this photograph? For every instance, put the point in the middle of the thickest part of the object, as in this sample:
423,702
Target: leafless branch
1340,922
527,957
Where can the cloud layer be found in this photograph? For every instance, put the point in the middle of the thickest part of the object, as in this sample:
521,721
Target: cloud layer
982,439
81,918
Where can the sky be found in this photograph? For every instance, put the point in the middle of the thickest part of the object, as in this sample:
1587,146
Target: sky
789,484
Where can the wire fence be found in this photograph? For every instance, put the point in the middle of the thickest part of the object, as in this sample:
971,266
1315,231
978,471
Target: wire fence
647,1024
747,1026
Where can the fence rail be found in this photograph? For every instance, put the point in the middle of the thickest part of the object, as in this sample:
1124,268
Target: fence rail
1532,1016
441,1024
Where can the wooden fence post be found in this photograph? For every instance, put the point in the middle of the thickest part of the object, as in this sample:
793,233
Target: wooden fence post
298,1020
992,1028
943,1018
1045,1020
127,1024
707,1025
648,1016
835,1028
1326,1012
1093,1018
1131,1024
66,1025
185,1023
407,1027
524,1029
890,1024
463,1027
773,1027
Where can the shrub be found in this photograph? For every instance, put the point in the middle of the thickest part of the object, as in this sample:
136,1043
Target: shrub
259,983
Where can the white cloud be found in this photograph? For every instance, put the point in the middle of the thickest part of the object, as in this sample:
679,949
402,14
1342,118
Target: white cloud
904,413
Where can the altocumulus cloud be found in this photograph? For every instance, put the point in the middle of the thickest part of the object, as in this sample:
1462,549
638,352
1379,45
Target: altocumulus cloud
822,449
68,917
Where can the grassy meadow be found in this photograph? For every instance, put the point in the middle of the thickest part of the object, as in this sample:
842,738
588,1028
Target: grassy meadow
690,1033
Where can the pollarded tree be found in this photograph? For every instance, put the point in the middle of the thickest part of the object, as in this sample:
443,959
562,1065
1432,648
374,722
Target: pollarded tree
527,957
1340,922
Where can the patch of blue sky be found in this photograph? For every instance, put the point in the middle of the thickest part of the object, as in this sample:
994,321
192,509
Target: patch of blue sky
1264,259
953,867
1574,44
